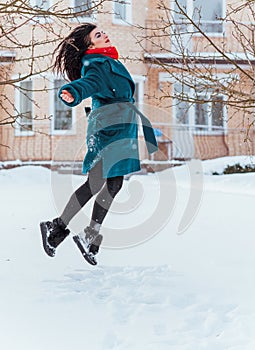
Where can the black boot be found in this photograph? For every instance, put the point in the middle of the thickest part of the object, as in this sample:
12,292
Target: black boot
94,240
89,242
53,233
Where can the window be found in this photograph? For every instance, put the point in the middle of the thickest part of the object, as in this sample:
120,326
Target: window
207,14
41,8
40,4
62,114
122,11
139,97
202,111
136,93
217,110
139,88
24,108
181,103
82,8
209,115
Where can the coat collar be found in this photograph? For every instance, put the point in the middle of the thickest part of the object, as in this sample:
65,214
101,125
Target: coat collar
116,66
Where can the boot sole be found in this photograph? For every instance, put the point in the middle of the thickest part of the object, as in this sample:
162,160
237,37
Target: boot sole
86,256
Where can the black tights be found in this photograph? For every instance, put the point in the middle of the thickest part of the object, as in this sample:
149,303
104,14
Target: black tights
107,188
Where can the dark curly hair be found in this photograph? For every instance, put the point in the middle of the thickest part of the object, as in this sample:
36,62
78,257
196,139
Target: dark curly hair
71,50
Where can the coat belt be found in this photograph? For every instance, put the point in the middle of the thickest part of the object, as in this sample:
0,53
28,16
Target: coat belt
148,132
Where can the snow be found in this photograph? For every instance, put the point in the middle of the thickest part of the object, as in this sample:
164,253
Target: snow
218,165
165,291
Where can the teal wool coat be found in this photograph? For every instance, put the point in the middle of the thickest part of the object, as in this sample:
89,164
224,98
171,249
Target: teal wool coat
112,134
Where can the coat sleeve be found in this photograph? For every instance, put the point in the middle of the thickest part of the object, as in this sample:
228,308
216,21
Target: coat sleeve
84,87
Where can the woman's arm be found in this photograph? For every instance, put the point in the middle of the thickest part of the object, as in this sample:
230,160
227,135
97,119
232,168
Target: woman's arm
73,93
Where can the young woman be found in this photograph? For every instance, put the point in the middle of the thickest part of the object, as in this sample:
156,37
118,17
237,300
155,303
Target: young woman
91,63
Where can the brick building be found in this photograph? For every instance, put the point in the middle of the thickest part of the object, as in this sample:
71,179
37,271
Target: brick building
47,130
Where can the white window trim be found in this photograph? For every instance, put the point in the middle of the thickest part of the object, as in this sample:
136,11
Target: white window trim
211,34
72,131
128,20
81,19
18,131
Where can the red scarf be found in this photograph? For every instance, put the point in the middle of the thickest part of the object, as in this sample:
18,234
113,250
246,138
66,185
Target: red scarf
110,51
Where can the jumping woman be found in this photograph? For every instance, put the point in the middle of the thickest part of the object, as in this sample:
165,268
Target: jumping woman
90,62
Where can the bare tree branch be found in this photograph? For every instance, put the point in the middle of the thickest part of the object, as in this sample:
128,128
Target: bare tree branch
28,36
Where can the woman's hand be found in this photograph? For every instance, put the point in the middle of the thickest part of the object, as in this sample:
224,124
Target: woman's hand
66,96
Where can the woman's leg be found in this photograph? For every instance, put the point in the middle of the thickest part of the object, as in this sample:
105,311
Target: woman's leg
83,194
104,200
90,240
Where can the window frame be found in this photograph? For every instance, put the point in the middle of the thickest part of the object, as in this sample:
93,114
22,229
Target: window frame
208,129
80,18
18,99
128,20
34,4
52,92
40,18
139,81
190,7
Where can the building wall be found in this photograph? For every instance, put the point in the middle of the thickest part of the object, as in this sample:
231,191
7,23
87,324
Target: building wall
157,104
43,144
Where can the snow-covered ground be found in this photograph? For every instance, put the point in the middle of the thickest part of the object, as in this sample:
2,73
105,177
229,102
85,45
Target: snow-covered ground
165,291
